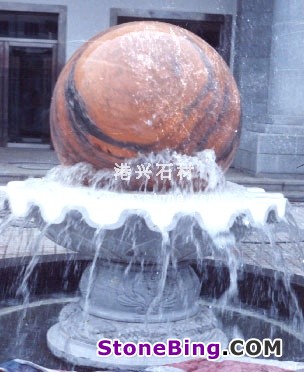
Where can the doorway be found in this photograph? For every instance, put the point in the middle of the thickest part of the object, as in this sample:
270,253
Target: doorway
29,94
32,53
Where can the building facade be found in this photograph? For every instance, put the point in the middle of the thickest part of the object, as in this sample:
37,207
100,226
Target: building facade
261,40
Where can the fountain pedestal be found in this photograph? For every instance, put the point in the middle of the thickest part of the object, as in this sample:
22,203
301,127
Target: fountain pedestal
140,287
132,303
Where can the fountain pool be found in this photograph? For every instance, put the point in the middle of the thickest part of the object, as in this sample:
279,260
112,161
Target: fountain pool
154,93
142,284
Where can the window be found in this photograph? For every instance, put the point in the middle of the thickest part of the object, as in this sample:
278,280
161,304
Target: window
29,25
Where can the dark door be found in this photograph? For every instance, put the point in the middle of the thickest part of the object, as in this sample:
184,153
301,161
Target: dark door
30,83
30,76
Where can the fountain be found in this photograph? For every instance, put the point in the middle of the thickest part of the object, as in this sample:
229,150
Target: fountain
155,113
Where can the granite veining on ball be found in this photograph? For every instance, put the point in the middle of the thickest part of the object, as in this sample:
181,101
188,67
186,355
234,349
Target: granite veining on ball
143,87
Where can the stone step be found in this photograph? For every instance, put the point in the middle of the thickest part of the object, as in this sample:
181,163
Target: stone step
294,196
5,178
274,185
292,188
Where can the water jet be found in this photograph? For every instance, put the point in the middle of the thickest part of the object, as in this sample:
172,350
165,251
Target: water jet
144,93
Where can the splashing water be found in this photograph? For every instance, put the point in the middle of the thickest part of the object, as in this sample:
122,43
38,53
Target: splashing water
227,224
184,173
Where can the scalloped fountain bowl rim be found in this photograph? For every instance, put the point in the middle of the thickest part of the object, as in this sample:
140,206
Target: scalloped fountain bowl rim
102,209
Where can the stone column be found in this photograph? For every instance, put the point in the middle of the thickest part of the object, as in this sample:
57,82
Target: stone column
286,90
274,144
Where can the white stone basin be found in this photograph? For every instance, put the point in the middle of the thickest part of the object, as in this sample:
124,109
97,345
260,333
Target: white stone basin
215,211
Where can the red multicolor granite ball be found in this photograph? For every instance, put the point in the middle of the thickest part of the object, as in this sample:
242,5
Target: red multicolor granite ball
142,87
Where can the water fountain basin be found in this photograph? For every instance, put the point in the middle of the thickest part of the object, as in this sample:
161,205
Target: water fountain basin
215,212
142,245
136,227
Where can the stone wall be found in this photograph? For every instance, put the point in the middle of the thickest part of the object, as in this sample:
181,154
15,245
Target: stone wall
270,72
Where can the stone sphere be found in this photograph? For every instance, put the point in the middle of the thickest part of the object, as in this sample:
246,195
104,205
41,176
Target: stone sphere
143,87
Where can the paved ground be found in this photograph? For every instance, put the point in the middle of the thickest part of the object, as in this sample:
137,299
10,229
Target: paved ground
21,163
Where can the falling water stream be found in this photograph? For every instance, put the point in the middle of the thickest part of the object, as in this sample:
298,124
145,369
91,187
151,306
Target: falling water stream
244,240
